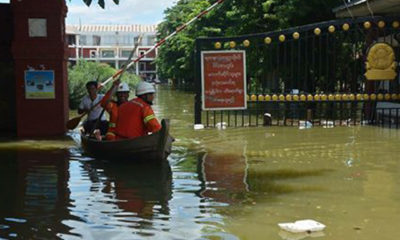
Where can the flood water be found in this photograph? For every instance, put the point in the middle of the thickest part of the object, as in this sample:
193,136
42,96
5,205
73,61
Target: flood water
236,183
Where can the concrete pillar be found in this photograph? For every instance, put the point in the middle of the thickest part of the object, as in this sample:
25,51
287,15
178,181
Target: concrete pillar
39,44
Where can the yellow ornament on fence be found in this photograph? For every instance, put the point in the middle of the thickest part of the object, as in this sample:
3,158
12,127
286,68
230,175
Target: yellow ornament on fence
345,97
379,96
352,97
331,29
359,97
395,24
310,97
381,24
338,97
246,43
289,97
387,96
282,38
267,97
281,97
346,27
232,44
217,45
295,98
394,96
317,97
274,97
253,97
373,96
317,31
261,97
267,40
324,97
303,97
367,25
365,97
296,35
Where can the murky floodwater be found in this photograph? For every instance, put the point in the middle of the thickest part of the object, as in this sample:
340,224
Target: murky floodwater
217,184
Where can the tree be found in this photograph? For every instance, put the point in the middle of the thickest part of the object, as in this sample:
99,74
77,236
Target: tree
100,2
85,71
232,18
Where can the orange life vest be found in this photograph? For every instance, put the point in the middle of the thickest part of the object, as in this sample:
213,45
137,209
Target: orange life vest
112,109
136,118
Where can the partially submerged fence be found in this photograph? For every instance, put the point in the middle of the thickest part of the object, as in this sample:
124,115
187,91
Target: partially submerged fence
311,73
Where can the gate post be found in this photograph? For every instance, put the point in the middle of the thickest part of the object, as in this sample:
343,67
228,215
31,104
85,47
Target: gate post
39,44
197,80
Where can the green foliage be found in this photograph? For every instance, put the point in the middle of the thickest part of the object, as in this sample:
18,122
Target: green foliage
100,2
85,71
231,18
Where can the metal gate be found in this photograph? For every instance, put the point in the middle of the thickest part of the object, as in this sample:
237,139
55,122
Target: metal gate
309,74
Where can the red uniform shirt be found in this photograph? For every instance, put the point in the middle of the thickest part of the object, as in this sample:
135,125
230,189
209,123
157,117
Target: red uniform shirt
136,118
112,109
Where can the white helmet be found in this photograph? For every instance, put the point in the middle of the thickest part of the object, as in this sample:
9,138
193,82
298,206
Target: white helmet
144,87
123,87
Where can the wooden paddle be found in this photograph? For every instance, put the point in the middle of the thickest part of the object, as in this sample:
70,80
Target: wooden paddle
73,123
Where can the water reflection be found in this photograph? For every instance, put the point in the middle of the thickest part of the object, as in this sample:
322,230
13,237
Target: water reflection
35,194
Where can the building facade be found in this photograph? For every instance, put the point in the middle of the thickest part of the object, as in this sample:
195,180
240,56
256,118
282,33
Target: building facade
112,44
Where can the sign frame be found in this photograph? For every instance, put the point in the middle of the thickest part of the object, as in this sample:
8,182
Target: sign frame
204,108
34,86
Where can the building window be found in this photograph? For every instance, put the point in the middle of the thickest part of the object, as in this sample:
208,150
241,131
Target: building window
142,66
107,53
125,53
82,40
96,40
71,39
93,53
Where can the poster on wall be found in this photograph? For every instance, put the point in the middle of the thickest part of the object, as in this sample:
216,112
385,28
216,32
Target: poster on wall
223,76
39,84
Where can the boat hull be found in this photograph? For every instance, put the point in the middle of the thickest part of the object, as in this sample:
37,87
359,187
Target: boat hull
154,147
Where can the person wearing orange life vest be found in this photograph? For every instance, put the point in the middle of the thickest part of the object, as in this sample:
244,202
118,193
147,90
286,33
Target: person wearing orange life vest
112,106
136,117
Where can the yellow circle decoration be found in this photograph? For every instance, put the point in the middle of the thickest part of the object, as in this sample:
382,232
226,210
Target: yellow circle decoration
317,31
261,97
303,97
217,45
338,97
289,97
295,97
296,35
365,97
359,97
380,96
345,97
331,29
232,44
387,96
367,25
346,27
381,24
281,97
372,96
324,97
267,97
317,97
352,97
394,96
331,97
282,38
246,43
267,40
274,97
395,24
253,97
310,97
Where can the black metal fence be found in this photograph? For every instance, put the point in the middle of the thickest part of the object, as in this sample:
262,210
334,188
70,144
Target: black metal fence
311,73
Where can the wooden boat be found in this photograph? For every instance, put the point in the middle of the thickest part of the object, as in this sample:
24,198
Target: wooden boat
154,147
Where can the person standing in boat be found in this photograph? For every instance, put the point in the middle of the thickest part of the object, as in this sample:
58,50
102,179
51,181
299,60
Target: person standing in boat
136,117
87,103
112,106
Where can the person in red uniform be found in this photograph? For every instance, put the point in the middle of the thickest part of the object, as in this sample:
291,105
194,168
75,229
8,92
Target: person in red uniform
136,117
112,106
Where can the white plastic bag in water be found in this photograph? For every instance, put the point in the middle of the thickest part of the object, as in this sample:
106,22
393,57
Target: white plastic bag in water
307,225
